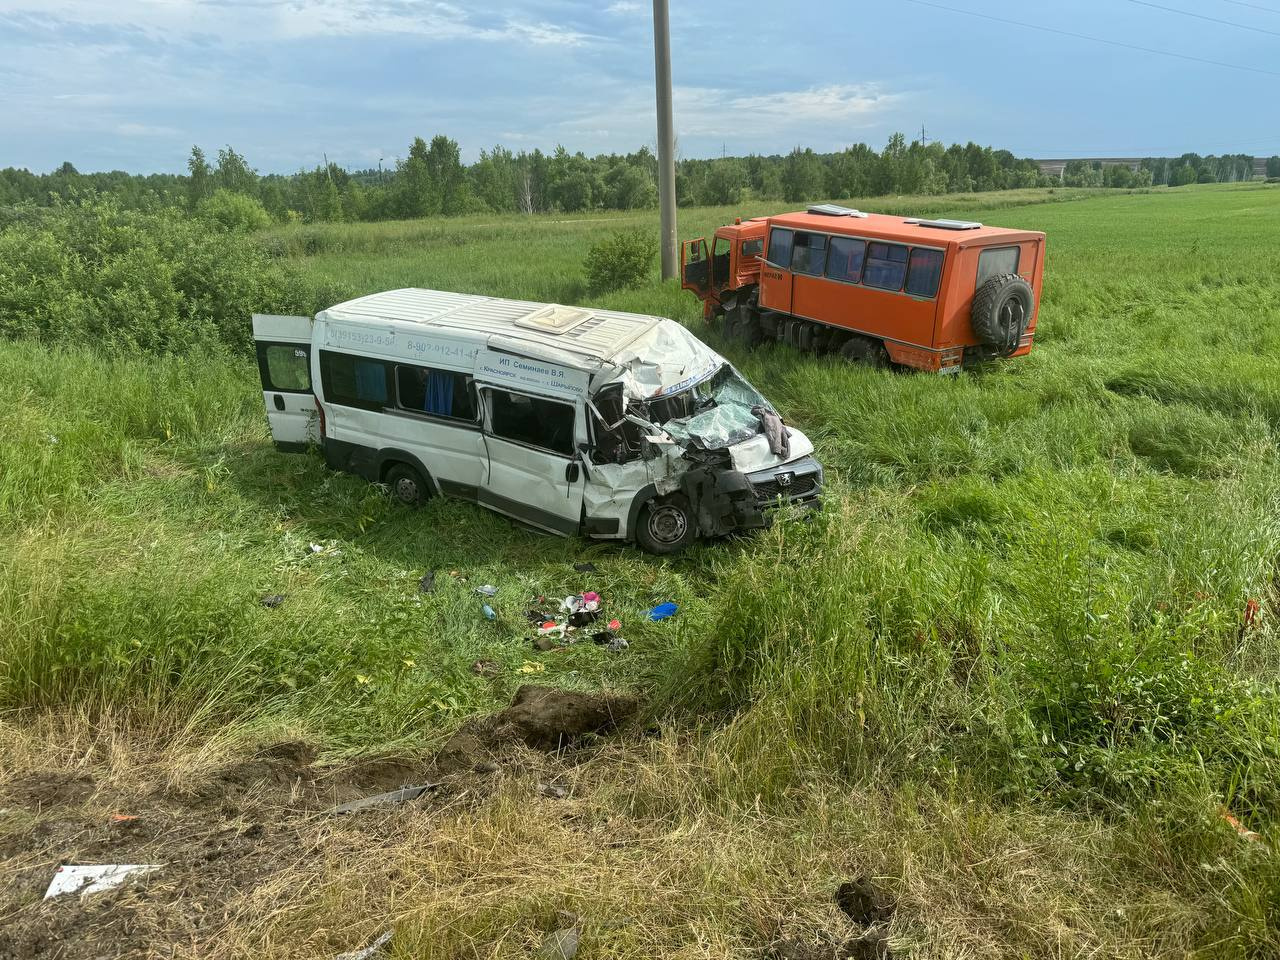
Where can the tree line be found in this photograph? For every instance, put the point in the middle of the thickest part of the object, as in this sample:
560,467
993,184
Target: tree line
432,180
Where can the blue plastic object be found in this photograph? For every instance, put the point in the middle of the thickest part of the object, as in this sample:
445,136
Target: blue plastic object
662,611
488,612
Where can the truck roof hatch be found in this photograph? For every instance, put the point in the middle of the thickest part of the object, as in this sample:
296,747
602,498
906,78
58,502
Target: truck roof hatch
947,224
834,210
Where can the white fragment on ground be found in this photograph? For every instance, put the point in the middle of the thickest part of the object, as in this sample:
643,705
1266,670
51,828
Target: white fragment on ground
93,878
369,951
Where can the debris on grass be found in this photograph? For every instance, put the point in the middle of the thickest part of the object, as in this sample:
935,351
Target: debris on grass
560,945
485,668
488,612
488,590
427,583
585,567
662,611
273,600
85,879
365,953
403,795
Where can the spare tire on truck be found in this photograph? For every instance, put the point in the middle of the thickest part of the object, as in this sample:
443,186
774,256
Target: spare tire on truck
1002,310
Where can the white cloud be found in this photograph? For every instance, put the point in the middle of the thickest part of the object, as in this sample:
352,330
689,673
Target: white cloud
624,8
423,18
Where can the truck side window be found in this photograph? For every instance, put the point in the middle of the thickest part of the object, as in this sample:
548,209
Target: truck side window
996,261
441,393
355,381
753,247
845,260
720,252
547,424
886,266
779,248
810,254
923,272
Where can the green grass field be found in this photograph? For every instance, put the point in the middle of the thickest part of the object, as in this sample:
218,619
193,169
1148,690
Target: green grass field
1016,671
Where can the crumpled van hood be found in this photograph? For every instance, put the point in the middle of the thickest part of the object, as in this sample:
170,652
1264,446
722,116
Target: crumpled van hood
751,455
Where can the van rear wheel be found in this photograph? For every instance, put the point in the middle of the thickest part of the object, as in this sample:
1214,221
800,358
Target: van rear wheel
407,485
666,526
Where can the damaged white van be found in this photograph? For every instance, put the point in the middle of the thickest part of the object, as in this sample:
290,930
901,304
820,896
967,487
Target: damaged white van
612,425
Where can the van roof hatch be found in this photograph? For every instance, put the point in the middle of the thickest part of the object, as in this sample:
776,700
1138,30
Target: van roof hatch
835,210
554,318
947,224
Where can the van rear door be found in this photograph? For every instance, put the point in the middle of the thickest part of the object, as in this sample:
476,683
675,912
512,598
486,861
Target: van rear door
284,364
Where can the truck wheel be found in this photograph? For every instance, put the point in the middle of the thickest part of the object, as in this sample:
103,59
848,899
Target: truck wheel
407,485
666,526
748,327
1001,312
865,350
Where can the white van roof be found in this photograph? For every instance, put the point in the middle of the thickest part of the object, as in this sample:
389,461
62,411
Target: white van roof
586,331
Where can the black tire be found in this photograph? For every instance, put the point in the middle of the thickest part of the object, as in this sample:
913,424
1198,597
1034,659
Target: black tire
666,525
748,327
1001,312
858,349
407,485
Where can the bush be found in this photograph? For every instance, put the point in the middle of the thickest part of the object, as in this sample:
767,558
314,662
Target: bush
234,211
621,260
130,280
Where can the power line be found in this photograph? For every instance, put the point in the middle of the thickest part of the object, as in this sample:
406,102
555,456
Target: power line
1082,36
1253,6
1201,16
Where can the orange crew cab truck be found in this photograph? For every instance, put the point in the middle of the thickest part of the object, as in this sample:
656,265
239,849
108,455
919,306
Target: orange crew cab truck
935,295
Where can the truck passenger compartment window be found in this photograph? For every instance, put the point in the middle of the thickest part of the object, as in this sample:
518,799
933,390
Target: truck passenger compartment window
441,393
539,423
810,254
287,367
886,266
845,260
923,272
996,262
753,248
780,248
355,381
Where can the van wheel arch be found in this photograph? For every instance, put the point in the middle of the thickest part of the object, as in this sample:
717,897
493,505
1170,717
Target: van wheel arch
388,460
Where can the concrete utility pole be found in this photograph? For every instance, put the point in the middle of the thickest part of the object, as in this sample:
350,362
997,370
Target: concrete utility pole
666,140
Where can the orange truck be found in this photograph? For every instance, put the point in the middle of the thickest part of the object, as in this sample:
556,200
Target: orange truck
936,295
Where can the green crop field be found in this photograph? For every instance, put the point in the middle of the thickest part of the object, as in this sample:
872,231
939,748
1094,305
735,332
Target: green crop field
1021,672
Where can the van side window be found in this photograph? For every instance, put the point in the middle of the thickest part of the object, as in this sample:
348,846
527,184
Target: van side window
886,266
355,381
810,254
287,367
923,272
442,393
753,247
845,260
780,248
539,423
997,261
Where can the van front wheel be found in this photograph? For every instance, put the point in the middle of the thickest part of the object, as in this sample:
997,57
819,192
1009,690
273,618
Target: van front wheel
666,526
407,485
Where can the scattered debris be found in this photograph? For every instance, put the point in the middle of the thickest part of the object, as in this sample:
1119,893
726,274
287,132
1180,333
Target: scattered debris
587,567
488,612
427,584
616,645
403,795
316,548
93,878
371,950
615,625
486,766
123,818
485,668
273,600
552,791
560,945
530,667
488,590
1241,830
662,611
862,902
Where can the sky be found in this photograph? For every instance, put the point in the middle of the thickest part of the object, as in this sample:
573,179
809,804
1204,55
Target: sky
132,84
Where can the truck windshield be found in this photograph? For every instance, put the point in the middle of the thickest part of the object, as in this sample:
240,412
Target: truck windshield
715,412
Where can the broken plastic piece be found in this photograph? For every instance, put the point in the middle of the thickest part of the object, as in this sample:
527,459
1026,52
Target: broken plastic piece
488,590
273,600
403,795
616,645
93,878
428,582
366,952
615,625
488,612
662,611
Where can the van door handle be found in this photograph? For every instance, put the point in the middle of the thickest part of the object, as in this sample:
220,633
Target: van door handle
279,401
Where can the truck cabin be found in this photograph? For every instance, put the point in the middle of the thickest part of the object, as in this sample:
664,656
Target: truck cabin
729,264
929,294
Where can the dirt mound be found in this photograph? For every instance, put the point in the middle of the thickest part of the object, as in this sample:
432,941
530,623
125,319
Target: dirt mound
544,718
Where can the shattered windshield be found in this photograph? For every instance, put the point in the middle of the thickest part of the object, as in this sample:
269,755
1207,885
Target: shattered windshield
715,412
